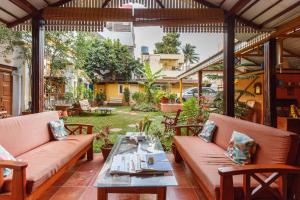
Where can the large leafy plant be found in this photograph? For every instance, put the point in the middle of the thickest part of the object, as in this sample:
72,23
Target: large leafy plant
149,84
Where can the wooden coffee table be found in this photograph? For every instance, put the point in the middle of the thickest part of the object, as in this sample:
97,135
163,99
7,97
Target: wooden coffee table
146,184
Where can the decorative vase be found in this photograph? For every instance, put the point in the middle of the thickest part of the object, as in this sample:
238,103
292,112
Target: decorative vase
106,150
164,100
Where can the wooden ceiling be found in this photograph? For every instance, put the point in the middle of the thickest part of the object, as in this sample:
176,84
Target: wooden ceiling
254,14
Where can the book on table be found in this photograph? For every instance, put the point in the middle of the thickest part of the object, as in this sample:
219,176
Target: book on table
134,164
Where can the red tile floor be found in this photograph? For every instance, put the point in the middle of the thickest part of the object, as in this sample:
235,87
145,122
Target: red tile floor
77,184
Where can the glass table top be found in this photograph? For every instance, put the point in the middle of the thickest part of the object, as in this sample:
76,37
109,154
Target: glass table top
153,145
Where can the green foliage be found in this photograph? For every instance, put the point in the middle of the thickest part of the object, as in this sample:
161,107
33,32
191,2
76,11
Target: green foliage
157,131
126,95
110,59
171,96
100,97
241,108
144,107
190,55
69,97
170,44
191,111
158,94
149,83
138,97
143,125
83,92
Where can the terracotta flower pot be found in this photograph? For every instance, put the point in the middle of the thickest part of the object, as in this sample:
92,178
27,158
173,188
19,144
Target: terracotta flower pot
164,100
105,151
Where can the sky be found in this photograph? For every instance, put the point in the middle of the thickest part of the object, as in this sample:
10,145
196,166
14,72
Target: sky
207,44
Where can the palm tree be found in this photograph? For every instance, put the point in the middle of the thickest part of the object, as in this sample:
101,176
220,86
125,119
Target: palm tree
190,56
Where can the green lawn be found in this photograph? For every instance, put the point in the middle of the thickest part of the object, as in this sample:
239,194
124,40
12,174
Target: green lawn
120,118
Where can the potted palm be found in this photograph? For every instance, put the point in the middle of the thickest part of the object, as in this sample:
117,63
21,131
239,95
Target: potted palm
107,146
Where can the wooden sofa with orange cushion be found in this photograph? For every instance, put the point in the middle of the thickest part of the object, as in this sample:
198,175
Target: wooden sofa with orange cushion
41,159
275,159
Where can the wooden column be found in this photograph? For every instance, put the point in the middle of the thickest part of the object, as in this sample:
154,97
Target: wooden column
269,107
38,37
199,86
229,35
180,89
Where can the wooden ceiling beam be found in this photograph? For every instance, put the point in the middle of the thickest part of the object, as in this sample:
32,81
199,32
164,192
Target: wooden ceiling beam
241,19
60,3
160,3
290,8
105,3
265,10
9,13
205,15
24,5
29,16
237,7
291,53
221,3
248,7
88,14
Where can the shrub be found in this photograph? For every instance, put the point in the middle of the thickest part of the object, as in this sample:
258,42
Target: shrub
144,107
172,97
100,97
138,97
158,95
69,97
126,95
191,111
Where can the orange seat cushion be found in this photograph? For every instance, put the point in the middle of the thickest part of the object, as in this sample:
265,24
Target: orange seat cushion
204,159
45,160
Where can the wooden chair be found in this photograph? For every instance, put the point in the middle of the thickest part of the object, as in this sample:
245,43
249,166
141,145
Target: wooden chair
276,172
171,122
85,106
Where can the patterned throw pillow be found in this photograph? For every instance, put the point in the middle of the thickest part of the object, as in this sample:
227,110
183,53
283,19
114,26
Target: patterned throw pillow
5,155
241,148
58,129
208,130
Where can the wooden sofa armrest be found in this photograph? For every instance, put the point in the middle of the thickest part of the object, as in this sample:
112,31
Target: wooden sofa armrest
277,171
188,128
78,128
18,179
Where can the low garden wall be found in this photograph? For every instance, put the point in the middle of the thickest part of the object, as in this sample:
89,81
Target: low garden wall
170,107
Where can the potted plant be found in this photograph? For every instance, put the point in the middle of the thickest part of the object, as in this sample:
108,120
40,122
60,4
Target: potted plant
107,146
100,98
172,98
143,125
164,99
126,96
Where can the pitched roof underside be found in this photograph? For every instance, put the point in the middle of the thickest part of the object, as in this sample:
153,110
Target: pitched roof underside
251,13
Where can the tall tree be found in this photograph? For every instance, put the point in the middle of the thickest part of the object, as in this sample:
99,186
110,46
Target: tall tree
170,44
190,55
58,53
108,59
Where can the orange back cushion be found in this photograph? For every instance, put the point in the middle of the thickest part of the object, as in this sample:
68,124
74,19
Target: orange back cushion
21,134
273,145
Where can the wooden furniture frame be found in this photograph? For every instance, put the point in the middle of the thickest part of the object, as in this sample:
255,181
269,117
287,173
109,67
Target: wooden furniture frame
161,192
278,172
19,169
171,122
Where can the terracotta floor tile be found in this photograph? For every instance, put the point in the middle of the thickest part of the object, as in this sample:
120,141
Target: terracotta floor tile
77,184
80,179
68,193
49,193
176,193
